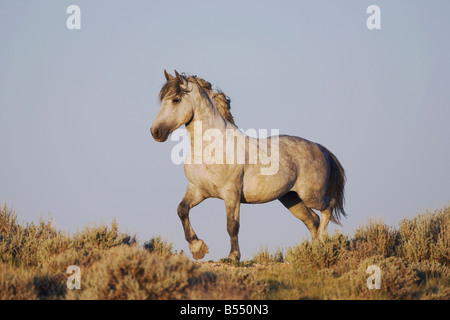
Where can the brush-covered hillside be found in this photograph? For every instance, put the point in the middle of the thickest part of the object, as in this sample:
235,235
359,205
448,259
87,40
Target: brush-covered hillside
412,260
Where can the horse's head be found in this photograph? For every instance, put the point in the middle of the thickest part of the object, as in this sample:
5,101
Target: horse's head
176,107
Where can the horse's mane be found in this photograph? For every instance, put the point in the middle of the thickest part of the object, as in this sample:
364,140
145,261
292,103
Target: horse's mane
222,102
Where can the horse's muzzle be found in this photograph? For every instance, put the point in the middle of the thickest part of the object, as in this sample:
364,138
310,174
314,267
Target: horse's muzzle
159,135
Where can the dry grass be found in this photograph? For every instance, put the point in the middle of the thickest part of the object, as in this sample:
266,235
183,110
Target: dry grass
413,259
264,256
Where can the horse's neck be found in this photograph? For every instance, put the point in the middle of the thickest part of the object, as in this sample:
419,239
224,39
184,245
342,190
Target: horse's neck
207,117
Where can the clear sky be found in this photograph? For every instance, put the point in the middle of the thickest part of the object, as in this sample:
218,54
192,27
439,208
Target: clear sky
76,107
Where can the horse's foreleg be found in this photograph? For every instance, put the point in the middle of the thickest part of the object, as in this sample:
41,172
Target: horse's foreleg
232,205
191,198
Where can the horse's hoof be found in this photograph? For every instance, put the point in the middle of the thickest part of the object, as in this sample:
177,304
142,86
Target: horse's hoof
198,249
235,256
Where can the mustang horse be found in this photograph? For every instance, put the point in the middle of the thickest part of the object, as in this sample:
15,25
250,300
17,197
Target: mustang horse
307,175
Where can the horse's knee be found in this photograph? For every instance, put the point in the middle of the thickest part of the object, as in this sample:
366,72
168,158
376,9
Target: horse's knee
183,209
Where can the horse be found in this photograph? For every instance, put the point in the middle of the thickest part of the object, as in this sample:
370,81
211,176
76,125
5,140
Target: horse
304,176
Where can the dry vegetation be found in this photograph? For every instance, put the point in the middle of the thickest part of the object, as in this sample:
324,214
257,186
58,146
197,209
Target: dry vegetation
413,259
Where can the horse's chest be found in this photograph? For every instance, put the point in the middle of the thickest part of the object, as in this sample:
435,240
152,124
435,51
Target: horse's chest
207,178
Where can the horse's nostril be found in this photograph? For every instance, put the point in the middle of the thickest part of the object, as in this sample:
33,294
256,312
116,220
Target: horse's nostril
156,133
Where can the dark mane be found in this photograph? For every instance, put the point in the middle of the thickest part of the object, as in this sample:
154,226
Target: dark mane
173,88
224,105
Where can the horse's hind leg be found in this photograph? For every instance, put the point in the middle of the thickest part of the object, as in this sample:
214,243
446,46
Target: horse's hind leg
325,218
298,208
192,198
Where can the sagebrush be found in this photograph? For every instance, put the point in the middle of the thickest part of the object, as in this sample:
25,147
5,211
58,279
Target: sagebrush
413,258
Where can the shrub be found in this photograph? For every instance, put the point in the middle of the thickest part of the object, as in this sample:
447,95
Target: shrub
31,244
317,254
232,281
158,246
380,238
426,237
134,273
49,286
263,256
101,237
15,284
434,279
430,269
35,244
372,239
398,280
218,286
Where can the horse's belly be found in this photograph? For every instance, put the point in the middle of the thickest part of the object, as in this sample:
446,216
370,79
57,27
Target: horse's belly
261,189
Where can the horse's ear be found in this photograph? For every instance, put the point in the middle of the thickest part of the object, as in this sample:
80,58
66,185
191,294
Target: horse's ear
167,75
179,78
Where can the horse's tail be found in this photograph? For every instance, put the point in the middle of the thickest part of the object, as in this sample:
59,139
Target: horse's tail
336,183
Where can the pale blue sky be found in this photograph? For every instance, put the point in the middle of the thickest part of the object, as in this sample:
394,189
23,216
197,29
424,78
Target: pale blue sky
76,107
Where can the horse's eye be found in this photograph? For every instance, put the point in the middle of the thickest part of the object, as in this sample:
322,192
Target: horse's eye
176,100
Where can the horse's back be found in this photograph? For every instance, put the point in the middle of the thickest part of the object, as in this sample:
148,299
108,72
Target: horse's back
302,167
